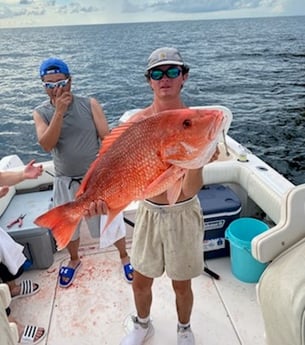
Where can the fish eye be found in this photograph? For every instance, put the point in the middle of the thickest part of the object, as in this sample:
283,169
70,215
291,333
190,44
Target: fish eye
187,123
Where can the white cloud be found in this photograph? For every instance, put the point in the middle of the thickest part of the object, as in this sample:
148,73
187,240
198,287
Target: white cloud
59,12
195,6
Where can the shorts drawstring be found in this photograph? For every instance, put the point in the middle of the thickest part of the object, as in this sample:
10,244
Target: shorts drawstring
73,179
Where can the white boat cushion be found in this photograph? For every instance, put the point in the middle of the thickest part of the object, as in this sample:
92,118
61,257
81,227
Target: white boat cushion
289,230
281,294
8,331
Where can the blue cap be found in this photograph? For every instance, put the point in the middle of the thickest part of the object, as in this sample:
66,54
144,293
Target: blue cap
53,66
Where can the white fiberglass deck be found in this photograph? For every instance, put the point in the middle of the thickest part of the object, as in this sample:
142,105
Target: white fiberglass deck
95,309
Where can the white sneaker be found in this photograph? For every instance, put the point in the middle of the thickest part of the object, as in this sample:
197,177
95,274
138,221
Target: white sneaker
185,336
140,333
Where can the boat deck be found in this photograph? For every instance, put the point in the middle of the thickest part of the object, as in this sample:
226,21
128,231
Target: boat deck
96,308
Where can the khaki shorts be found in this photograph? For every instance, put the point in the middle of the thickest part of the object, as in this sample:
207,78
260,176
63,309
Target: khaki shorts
65,189
168,238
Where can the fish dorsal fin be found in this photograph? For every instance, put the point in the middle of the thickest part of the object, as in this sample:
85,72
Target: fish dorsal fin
114,135
107,142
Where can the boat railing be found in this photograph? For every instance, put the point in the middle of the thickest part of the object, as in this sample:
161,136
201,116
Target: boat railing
281,200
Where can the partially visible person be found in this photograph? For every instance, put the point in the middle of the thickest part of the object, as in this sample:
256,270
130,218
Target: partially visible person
72,128
26,334
12,257
11,253
166,237
26,287
10,178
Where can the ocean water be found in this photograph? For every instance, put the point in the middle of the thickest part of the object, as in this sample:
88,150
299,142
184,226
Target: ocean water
255,67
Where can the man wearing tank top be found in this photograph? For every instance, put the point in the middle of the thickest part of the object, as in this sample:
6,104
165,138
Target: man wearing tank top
72,127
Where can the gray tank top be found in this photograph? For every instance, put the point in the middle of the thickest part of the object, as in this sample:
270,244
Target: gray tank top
78,143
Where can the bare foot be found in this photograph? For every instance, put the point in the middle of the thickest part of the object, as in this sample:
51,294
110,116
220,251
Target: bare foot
66,276
15,289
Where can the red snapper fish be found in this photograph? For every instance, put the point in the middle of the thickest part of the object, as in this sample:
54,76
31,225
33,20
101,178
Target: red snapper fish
139,160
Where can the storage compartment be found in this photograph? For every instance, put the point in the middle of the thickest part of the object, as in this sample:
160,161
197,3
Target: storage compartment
39,245
220,206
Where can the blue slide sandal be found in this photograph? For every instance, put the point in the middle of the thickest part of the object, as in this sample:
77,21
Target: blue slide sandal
67,275
128,273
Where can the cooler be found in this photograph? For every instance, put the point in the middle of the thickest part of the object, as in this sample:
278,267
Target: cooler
39,245
220,206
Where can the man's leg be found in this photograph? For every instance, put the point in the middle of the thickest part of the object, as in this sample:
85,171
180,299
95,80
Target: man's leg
143,328
142,293
121,247
184,300
73,247
184,305
68,273
125,260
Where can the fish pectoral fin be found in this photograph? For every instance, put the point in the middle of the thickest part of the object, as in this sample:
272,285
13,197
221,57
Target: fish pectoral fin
165,181
174,191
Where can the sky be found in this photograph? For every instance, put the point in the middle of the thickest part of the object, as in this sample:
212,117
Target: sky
24,13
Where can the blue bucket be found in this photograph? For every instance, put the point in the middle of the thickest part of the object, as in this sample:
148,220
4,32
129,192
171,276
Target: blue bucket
240,233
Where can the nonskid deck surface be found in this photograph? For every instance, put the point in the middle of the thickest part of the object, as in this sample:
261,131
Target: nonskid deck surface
96,308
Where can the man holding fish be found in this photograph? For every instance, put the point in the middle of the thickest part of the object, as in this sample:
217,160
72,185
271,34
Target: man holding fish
71,128
169,225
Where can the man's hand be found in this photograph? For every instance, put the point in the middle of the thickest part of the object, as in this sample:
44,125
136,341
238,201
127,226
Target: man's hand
96,208
31,172
61,100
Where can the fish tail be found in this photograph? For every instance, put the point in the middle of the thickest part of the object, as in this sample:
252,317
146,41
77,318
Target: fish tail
62,221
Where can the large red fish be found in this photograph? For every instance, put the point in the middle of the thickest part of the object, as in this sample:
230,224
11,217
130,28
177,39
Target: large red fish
139,160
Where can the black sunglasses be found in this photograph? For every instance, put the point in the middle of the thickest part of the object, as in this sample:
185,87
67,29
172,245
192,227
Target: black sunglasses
171,72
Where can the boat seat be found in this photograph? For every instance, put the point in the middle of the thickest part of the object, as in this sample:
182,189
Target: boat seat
8,330
281,295
280,290
288,231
